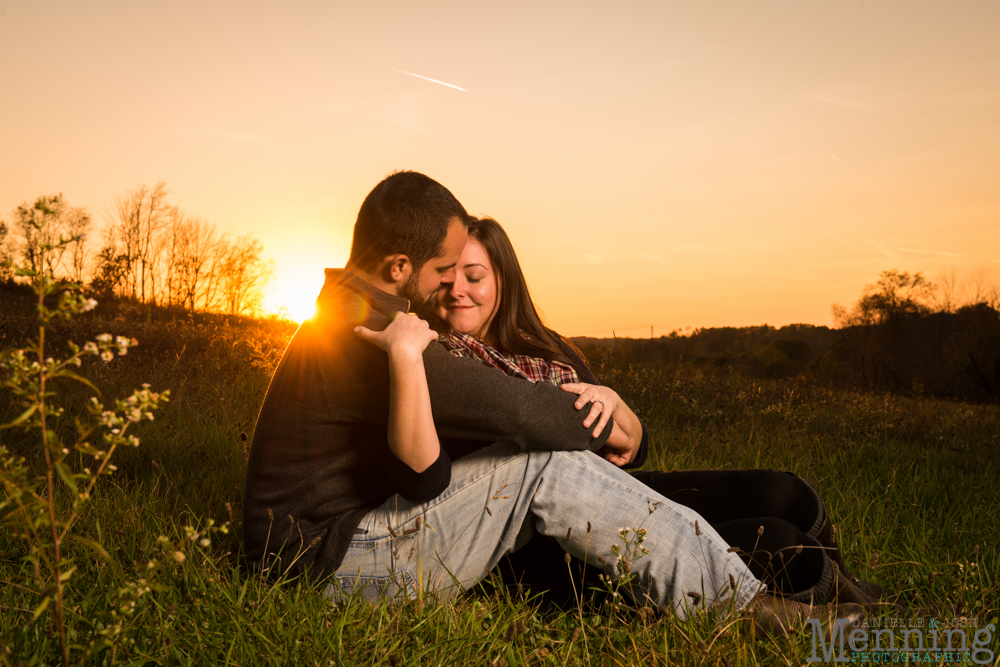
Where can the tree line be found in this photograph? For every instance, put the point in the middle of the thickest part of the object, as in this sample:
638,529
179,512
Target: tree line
905,334
149,250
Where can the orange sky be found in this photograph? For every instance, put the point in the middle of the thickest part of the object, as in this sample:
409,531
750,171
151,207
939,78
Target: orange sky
665,163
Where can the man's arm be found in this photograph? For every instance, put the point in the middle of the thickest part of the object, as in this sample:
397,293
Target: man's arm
473,402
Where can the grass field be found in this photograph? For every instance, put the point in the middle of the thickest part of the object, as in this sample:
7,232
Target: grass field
911,484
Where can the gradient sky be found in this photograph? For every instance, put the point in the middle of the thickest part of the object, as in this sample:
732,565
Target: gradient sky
658,163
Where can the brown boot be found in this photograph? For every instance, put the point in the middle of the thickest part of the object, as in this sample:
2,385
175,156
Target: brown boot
781,616
846,591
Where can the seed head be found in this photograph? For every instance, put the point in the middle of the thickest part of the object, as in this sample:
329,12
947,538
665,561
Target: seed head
697,528
695,597
569,531
588,530
567,558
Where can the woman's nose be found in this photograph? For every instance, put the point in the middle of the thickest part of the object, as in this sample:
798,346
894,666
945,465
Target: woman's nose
456,288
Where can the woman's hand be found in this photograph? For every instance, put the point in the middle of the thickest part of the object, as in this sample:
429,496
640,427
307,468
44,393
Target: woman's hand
407,335
604,402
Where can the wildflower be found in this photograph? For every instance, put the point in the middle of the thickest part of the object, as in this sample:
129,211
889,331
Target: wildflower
179,557
88,305
107,356
104,338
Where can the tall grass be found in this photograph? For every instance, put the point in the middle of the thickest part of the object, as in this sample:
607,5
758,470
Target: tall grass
910,482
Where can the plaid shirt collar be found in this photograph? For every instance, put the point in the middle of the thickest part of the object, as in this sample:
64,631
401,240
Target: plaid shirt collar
534,369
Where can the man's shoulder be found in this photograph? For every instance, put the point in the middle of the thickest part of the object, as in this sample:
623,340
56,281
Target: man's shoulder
347,301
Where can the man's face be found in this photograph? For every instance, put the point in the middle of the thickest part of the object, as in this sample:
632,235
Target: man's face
422,286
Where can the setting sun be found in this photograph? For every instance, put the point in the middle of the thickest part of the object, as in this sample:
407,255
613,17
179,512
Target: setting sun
299,275
293,293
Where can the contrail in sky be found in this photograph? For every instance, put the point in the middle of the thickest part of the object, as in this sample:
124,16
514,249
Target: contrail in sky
427,78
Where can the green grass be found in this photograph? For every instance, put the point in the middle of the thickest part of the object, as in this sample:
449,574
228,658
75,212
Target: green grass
910,482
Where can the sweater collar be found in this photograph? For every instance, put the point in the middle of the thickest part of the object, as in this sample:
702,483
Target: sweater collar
342,279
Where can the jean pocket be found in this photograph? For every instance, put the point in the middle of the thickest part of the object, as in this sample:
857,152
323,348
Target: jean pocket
371,588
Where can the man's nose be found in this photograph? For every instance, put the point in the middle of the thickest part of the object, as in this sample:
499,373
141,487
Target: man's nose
448,277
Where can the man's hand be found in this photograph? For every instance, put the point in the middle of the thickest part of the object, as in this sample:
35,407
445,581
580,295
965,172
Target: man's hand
620,447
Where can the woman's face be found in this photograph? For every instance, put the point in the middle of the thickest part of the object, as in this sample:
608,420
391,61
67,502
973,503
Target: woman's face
468,304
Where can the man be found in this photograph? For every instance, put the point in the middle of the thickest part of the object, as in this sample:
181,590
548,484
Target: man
326,494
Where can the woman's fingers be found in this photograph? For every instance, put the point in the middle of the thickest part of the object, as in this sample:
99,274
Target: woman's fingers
405,332
365,332
603,421
587,392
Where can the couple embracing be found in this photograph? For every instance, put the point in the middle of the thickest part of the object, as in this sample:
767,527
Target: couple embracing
392,459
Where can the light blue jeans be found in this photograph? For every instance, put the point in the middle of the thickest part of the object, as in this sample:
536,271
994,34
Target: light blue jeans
499,497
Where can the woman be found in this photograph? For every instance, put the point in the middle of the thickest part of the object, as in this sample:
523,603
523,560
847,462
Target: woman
776,520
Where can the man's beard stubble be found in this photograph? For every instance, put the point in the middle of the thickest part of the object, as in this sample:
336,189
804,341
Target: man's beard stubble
424,307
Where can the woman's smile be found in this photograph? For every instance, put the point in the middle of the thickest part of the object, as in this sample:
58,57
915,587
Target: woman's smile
469,303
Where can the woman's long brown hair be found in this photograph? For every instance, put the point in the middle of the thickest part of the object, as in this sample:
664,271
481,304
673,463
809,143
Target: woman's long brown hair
516,326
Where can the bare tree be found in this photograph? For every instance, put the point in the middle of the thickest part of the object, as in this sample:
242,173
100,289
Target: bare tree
947,296
244,275
191,262
140,217
6,253
78,224
980,287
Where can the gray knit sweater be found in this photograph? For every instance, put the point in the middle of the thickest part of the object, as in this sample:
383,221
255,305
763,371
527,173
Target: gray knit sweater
320,457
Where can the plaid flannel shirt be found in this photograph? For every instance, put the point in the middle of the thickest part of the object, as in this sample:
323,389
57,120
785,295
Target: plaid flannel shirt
534,369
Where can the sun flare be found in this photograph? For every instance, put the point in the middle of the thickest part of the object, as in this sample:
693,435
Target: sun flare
293,295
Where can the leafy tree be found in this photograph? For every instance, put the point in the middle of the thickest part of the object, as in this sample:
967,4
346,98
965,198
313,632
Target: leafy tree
53,237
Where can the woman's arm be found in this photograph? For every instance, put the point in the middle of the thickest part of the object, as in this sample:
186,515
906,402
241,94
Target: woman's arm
412,437
626,435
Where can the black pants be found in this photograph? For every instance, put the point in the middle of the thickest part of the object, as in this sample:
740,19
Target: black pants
770,516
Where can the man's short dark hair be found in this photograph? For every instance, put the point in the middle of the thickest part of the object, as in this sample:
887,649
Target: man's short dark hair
407,213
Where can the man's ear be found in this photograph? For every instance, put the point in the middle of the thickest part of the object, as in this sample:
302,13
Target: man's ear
396,268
